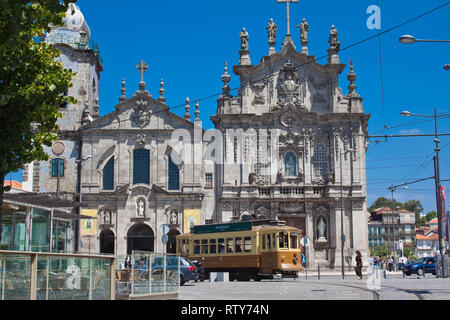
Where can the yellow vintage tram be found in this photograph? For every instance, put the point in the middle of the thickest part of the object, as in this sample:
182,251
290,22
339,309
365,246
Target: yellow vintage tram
256,249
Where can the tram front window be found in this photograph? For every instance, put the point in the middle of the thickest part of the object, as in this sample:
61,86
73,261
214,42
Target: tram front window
283,237
268,241
294,240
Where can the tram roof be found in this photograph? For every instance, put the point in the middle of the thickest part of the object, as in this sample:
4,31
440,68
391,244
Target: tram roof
251,225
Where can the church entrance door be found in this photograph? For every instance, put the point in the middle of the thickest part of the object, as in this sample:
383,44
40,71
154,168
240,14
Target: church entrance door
172,243
140,237
107,242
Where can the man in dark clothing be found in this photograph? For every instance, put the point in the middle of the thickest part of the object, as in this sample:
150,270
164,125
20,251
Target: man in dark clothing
358,268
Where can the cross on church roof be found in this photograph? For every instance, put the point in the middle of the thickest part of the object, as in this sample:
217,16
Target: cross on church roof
142,67
288,33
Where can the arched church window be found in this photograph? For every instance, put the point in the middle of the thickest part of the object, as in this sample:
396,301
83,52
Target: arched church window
290,164
141,166
108,175
58,165
320,160
174,175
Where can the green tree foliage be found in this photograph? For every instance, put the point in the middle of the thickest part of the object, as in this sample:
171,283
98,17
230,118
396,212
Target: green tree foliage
33,82
380,251
430,216
384,202
408,252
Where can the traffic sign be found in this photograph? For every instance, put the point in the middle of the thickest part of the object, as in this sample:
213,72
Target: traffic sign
164,238
305,241
165,228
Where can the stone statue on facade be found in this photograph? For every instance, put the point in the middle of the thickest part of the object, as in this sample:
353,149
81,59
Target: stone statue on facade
272,34
244,52
304,30
140,208
173,217
272,31
244,39
333,39
321,229
107,217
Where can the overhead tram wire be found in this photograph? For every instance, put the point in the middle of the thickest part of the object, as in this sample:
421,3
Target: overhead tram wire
381,77
315,60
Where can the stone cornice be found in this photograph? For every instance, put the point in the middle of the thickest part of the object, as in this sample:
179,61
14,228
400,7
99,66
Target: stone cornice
289,50
313,116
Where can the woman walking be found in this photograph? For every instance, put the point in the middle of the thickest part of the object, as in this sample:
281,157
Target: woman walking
358,268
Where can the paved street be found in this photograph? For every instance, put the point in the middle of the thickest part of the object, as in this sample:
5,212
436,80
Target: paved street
329,287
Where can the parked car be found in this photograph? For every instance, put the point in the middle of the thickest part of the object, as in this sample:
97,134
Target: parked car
427,265
188,271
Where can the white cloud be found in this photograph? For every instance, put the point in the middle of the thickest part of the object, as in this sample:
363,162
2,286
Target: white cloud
410,131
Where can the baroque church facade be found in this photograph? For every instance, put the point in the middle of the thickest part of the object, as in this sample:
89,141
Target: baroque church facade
286,139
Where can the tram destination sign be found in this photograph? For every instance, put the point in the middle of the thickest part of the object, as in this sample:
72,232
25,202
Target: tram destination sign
225,227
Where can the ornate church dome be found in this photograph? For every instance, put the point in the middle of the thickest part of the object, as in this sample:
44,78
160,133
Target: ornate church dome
75,19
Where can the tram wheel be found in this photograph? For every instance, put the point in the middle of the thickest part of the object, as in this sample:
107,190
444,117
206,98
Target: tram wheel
245,276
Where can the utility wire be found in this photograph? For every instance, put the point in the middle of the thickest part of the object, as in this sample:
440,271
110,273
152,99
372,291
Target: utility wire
381,76
313,60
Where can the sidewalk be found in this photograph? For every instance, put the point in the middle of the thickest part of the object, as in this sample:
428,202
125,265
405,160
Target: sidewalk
314,273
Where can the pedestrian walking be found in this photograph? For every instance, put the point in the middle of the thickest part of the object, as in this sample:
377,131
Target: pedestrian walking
358,268
390,264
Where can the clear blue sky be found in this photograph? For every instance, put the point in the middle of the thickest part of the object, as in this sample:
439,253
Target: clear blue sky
187,42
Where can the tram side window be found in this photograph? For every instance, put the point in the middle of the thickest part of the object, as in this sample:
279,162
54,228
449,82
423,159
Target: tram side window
238,247
205,246
274,241
212,246
294,240
230,245
221,245
184,245
196,246
263,241
247,244
283,240
268,241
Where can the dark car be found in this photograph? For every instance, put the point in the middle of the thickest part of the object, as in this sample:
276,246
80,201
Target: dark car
427,265
188,270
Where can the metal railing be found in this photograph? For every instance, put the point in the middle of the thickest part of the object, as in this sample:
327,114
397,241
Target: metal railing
148,274
56,276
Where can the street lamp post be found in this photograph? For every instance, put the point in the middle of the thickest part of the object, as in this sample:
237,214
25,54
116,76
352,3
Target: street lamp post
408,39
80,163
342,213
398,222
436,178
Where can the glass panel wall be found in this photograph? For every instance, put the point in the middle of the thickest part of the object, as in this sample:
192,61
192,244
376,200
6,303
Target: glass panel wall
57,277
60,236
14,230
40,231
15,277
